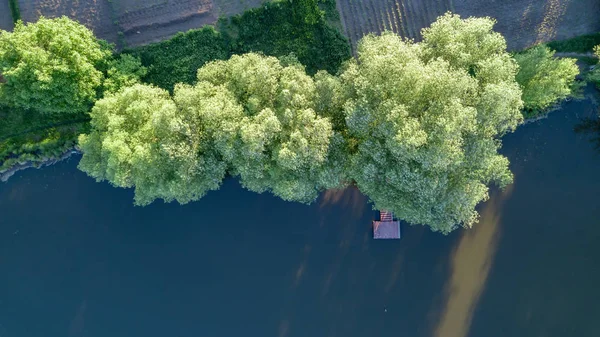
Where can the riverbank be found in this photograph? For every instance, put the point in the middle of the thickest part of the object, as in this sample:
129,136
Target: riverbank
177,59
43,162
74,250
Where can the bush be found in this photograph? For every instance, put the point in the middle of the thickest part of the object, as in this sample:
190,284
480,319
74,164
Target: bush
277,29
544,79
579,44
177,60
30,135
283,27
594,75
124,71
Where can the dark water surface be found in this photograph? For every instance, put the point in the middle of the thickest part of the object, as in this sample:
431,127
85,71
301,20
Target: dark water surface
77,259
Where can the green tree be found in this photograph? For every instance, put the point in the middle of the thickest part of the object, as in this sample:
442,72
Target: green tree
281,145
123,71
594,75
141,138
50,66
426,117
545,79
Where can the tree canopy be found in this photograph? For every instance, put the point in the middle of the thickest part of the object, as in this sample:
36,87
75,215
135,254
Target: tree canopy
415,126
426,117
142,138
50,66
544,79
282,145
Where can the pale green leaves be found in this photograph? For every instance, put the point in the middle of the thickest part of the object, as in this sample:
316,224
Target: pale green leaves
50,66
142,138
249,116
282,145
544,79
414,125
426,116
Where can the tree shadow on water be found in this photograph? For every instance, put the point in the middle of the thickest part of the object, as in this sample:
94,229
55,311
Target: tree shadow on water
591,127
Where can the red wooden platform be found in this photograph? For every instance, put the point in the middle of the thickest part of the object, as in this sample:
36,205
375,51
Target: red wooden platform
386,227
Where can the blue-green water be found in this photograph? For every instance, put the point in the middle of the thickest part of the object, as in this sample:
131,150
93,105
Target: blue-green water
77,259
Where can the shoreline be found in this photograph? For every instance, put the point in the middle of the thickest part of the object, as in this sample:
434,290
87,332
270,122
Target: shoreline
9,172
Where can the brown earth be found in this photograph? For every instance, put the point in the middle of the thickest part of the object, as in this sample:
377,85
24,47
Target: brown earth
522,22
94,14
147,21
6,22
134,22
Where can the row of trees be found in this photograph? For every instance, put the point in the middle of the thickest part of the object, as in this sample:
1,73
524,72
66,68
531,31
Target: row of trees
415,126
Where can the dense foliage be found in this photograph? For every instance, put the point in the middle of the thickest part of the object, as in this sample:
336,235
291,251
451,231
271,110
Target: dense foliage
281,145
427,116
414,125
123,71
249,114
594,75
53,71
28,135
140,138
579,44
544,79
277,29
50,66
176,60
289,26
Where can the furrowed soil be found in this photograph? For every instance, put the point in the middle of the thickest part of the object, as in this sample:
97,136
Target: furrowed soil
132,22
137,22
522,22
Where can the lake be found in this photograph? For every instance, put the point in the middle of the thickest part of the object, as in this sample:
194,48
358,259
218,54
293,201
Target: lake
77,259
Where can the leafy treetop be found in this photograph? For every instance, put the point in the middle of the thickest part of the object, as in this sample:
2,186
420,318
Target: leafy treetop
51,66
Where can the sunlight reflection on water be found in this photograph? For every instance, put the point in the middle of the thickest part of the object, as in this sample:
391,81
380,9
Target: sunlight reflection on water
471,261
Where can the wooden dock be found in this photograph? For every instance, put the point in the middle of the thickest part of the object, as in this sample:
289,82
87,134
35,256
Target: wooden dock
386,227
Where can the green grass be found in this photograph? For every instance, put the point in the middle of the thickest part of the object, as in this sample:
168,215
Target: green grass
579,44
14,10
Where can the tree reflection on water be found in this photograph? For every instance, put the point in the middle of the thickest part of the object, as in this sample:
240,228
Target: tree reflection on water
590,126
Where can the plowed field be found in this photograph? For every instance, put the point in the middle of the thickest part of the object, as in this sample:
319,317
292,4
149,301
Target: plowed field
523,22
